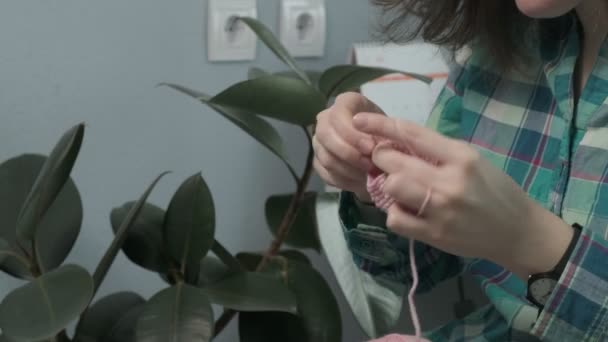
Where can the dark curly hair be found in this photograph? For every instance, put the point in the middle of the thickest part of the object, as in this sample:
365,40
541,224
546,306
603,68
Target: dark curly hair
495,26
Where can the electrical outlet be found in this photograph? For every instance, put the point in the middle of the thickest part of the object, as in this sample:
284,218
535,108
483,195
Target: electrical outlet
227,38
303,27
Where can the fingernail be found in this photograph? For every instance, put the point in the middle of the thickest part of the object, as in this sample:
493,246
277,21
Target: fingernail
366,146
360,120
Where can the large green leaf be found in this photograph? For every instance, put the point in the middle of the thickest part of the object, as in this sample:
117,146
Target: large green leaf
278,263
248,291
271,326
212,271
181,313
276,266
226,257
343,78
316,303
104,315
4,250
255,72
144,243
303,232
121,235
279,97
317,306
125,328
52,177
4,338
313,75
258,128
59,227
296,256
167,278
189,227
45,306
271,41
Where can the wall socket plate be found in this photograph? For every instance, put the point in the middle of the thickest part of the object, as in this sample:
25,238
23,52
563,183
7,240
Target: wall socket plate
228,39
303,27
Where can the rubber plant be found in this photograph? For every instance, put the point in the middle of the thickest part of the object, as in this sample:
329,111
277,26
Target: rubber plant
277,293
40,220
294,96
41,215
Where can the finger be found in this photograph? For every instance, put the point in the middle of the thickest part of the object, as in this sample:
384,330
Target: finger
406,224
392,161
410,195
323,173
354,101
347,105
321,121
344,128
334,180
335,166
423,141
346,153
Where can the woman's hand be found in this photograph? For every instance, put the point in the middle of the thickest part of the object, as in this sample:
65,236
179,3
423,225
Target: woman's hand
342,152
475,210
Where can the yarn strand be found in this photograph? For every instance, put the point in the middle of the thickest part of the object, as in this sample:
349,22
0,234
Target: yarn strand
375,184
414,268
410,297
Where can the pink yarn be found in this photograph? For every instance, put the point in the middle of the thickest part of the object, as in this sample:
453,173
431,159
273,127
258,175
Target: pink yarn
376,178
375,186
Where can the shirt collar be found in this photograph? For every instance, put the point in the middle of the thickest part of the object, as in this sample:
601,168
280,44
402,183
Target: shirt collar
560,46
559,49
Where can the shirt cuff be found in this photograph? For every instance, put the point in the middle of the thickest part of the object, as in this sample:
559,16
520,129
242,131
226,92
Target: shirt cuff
578,307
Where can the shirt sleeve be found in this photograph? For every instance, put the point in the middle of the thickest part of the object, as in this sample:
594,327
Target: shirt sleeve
578,307
370,262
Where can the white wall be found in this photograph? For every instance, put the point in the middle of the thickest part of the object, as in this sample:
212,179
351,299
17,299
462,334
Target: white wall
66,61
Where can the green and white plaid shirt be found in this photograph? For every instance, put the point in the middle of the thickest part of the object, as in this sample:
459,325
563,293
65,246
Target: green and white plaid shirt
525,123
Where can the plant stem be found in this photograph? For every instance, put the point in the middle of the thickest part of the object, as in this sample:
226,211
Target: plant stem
176,275
22,249
37,262
28,260
290,215
225,256
223,321
282,232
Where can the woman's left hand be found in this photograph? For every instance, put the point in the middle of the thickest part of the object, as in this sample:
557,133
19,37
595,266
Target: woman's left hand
475,210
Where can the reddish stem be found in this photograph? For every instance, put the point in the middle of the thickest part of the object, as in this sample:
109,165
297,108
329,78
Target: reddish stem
282,232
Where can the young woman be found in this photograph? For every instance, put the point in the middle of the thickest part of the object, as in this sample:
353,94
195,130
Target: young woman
519,193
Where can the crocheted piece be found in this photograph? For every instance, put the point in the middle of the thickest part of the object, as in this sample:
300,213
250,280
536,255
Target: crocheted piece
376,179
375,186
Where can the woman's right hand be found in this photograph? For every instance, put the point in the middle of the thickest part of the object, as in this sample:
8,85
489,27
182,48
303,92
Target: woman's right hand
342,153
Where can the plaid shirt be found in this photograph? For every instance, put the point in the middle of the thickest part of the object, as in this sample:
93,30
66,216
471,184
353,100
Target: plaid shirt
525,123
